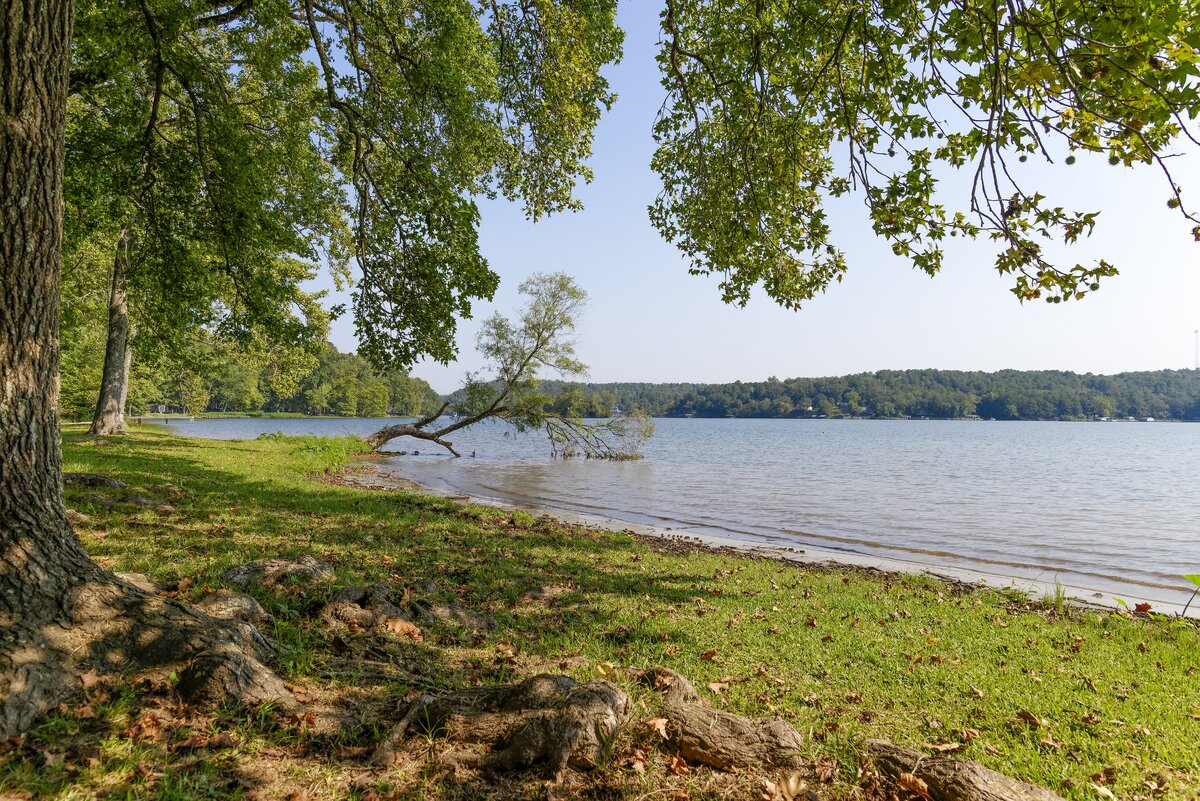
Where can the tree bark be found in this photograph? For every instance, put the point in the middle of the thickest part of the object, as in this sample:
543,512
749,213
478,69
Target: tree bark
114,382
60,612
945,778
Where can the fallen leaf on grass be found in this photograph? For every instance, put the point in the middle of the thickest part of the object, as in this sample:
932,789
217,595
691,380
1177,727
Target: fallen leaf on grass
679,765
1033,720
788,788
1104,792
148,726
402,628
718,686
709,655
656,726
637,761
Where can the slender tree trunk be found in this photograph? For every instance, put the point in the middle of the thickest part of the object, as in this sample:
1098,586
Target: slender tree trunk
128,368
60,612
114,382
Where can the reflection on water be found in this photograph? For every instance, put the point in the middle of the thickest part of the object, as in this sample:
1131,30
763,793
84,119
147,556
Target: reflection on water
1111,506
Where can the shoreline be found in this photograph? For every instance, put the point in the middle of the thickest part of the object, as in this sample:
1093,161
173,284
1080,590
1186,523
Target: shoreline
366,473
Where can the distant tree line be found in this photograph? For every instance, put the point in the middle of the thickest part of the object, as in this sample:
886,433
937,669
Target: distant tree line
1003,395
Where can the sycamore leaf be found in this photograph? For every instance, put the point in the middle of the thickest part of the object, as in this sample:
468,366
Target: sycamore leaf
1033,720
402,628
656,726
913,784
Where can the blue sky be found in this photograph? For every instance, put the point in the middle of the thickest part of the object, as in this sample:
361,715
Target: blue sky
648,320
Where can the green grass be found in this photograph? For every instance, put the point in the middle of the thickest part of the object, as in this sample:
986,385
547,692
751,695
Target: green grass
843,654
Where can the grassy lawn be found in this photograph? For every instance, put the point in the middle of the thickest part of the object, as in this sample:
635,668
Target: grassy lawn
1083,702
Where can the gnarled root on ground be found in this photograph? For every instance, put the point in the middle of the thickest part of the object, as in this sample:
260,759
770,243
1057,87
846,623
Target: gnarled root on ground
550,720
719,739
945,778
102,625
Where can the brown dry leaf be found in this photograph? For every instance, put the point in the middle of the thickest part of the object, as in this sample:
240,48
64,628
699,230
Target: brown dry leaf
1050,743
826,769
945,748
913,784
709,655
718,686
637,761
792,787
1142,607
302,695
402,628
679,765
89,679
975,691
1033,720
969,734
656,726
680,795
148,726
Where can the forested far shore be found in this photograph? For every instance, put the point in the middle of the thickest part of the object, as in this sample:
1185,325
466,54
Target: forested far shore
344,384
1002,395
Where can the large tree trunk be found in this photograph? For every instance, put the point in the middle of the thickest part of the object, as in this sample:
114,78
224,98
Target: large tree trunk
114,383
61,613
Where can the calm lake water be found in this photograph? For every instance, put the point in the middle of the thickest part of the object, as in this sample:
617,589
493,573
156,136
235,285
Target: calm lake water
1107,507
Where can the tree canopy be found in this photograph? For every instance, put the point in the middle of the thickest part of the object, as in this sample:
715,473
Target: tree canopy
252,139
774,108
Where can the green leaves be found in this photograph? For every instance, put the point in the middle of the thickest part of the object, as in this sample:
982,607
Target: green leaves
774,107
248,143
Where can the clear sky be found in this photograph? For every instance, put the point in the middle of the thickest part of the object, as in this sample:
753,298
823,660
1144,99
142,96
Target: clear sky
649,320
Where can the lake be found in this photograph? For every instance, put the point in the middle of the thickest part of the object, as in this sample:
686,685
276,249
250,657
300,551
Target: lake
1108,508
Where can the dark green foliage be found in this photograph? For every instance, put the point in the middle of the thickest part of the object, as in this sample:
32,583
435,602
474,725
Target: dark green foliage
1004,395
217,376
242,144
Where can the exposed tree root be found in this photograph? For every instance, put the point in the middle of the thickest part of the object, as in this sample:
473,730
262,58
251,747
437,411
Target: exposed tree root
719,739
545,720
276,572
103,625
944,778
363,607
